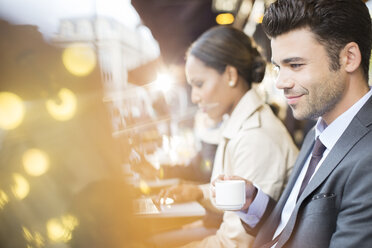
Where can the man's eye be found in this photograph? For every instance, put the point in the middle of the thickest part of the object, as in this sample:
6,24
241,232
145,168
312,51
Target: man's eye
198,84
295,66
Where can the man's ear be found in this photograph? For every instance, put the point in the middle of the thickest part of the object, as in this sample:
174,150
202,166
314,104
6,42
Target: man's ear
351,57
232,75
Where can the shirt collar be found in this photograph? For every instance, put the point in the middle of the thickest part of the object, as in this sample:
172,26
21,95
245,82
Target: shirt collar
247,105
329,135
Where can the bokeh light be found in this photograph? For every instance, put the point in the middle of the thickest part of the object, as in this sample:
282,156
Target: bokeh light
259,18
166,201
164,82
60,229
144,187
225,18
27,234
33,239
35,162
4,199
79,59
11,110
208,164
21,187
64,109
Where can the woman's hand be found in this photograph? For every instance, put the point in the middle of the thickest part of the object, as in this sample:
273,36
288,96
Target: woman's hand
180,193
250,189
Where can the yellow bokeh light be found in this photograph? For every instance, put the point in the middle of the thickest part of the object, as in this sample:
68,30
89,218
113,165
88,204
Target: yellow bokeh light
11,110
27,234
4,199
69,222
34,240
56,231
35,162
259,18
225,18
59,230
21,187
79,59
38,240
208,164
145,189
66,108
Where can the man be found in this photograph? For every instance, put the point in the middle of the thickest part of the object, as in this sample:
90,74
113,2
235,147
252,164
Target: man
321,49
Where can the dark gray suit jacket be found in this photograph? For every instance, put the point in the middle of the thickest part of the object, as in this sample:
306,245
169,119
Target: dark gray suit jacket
335,209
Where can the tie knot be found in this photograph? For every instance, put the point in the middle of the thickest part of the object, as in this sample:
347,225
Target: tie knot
319,148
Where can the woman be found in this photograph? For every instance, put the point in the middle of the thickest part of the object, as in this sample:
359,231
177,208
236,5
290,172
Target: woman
221,66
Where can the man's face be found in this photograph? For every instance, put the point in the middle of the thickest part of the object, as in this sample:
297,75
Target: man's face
311,88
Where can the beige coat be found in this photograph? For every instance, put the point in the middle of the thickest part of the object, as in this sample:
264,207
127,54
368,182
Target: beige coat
258,148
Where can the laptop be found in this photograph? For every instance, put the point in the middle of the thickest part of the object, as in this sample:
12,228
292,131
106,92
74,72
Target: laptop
145,206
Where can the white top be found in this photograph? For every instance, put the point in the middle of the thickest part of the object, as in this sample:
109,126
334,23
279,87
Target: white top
254,145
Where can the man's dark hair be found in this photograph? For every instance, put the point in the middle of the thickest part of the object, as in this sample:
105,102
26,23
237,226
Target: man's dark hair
334,23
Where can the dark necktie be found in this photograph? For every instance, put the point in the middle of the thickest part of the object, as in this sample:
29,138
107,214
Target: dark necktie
316,156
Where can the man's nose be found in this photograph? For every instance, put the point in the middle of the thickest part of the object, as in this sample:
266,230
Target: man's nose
284,81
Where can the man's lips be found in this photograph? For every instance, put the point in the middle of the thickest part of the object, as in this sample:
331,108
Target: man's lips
293,99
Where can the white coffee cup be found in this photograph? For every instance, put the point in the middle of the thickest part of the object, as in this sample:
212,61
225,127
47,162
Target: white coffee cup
230,194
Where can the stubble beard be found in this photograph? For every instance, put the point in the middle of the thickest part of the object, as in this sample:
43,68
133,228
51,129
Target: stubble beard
322,99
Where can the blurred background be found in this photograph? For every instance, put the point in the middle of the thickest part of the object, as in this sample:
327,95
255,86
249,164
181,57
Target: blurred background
91,93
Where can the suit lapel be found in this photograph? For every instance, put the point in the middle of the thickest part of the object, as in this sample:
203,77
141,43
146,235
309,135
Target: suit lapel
349,138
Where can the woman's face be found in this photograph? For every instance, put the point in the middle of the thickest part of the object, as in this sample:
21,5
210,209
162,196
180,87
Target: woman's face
210,89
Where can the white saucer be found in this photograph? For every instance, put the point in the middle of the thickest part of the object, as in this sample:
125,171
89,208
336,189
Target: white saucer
230,207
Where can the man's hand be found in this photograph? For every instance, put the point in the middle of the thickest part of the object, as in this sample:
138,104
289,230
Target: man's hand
250,189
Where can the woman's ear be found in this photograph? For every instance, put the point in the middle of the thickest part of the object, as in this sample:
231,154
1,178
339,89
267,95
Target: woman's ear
232,75
351,57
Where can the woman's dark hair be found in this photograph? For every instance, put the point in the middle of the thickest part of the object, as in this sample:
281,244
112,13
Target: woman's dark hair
334,23
224,45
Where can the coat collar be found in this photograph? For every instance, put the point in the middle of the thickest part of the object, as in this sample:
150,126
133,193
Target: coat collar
366,119
245,109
